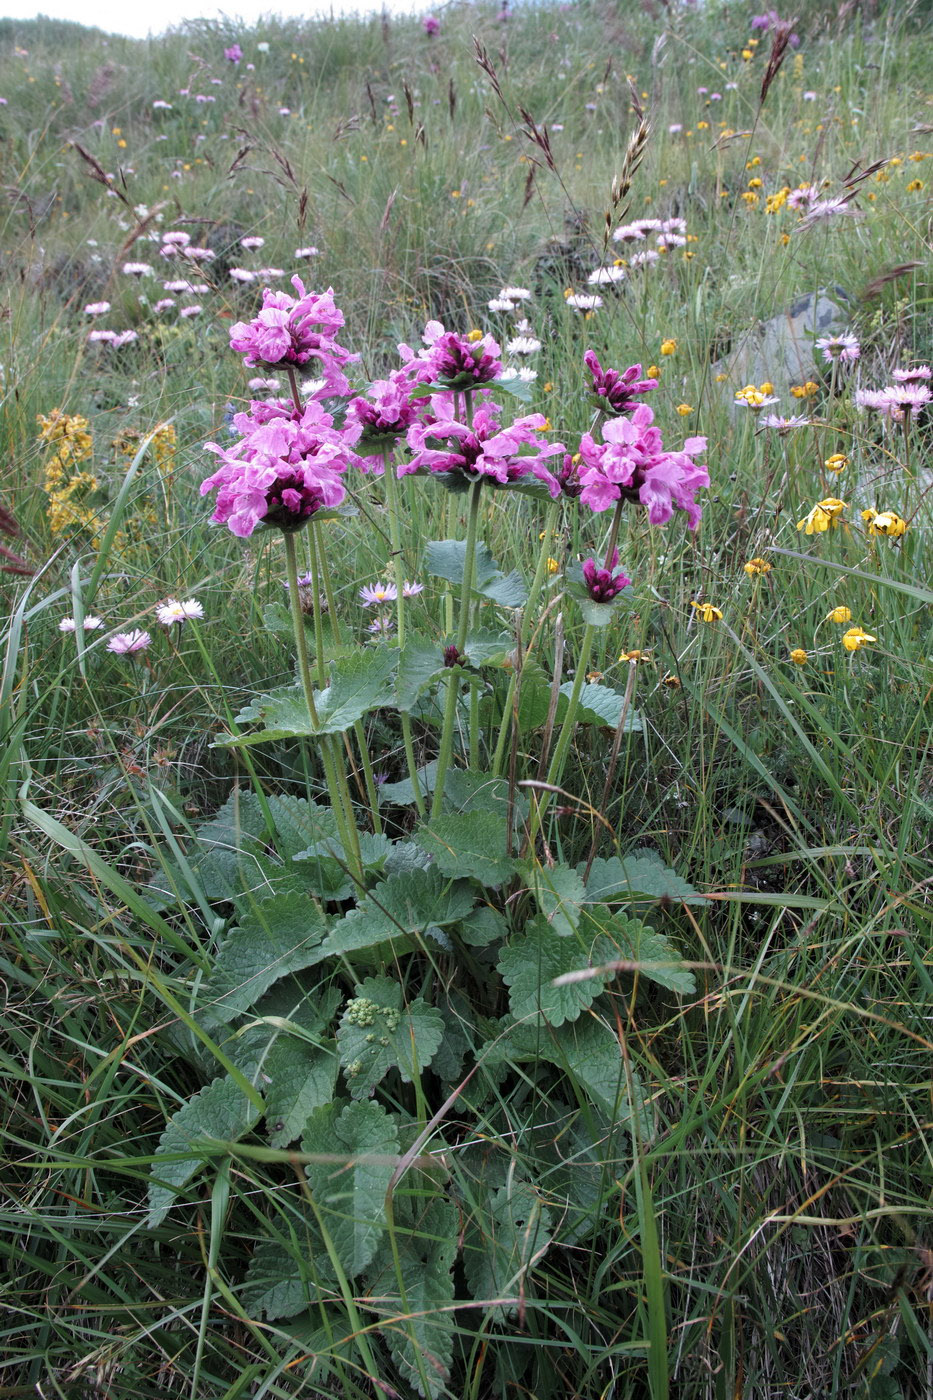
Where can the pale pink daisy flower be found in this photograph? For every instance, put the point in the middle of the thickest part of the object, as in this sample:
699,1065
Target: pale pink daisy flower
252,241
188,311
628,233
172,611
580,301
126,643
242,274
606,276
515,293
165,304
646,258
381,626
97,308
371,594
91,624
500,304
306,252
136,269
411,590
839,347
523,345
176,238
918,374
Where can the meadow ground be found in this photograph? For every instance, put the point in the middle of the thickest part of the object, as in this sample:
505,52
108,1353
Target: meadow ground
438,958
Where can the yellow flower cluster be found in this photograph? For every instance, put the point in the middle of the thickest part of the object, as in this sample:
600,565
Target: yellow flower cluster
805,391
66,485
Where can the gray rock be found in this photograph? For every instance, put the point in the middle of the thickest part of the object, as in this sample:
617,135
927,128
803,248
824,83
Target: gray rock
781,349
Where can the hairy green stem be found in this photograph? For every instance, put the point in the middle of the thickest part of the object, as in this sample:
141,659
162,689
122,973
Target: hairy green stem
453,681
395,537
556,770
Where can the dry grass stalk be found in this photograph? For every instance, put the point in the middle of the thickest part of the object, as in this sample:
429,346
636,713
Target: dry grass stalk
98,173
783,29
634,155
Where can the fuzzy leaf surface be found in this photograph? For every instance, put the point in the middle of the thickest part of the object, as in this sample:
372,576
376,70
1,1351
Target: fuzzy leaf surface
399,907
221,1110
283,934
640,877
503,1242
350,1195
657,958
468,845
534,957
378,1032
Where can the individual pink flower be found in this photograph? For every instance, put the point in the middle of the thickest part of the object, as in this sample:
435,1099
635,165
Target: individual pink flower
431,25
126,643
290,331
97,308
917,374
614,391
839,347
411,590
252,240
483,449
233,54
631,464
172,611
601,583
136,269
283,471
372,594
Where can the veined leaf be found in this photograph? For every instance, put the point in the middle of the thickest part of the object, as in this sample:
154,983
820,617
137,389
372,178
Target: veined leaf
283,934
221,1110
379,1032
601,705
532,959
504,1242
400,909
358,683
419,1323
445,559
657,958
639,877
560,895
350,1195
468,844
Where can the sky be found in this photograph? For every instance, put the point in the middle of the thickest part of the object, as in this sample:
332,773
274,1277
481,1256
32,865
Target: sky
137,21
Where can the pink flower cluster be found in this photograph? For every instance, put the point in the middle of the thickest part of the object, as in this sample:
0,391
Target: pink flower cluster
387,410
452,360
290,331
616,392
909,394
630,464
483,448
603,584
284,469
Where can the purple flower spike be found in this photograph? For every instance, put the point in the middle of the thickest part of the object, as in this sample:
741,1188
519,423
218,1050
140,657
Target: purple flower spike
452,360
615,392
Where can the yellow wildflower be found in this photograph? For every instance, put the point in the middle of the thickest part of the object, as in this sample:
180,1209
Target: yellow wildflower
474,335
553,566
757,566
668,347
707,612
915,185
824,516
837,462
840,614
684,408
885,523
798,656
633,657
856,638
653,372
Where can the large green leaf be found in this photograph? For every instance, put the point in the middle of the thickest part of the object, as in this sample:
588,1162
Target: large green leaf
590,1053
226,857
350,1193
358,683
508,1233
601,705
220,1111
416,1296
560,895
379,1031
283,934
287,1267
421,661
400,909
532,959
656,957
445,559
640,877
301,1078
468,844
